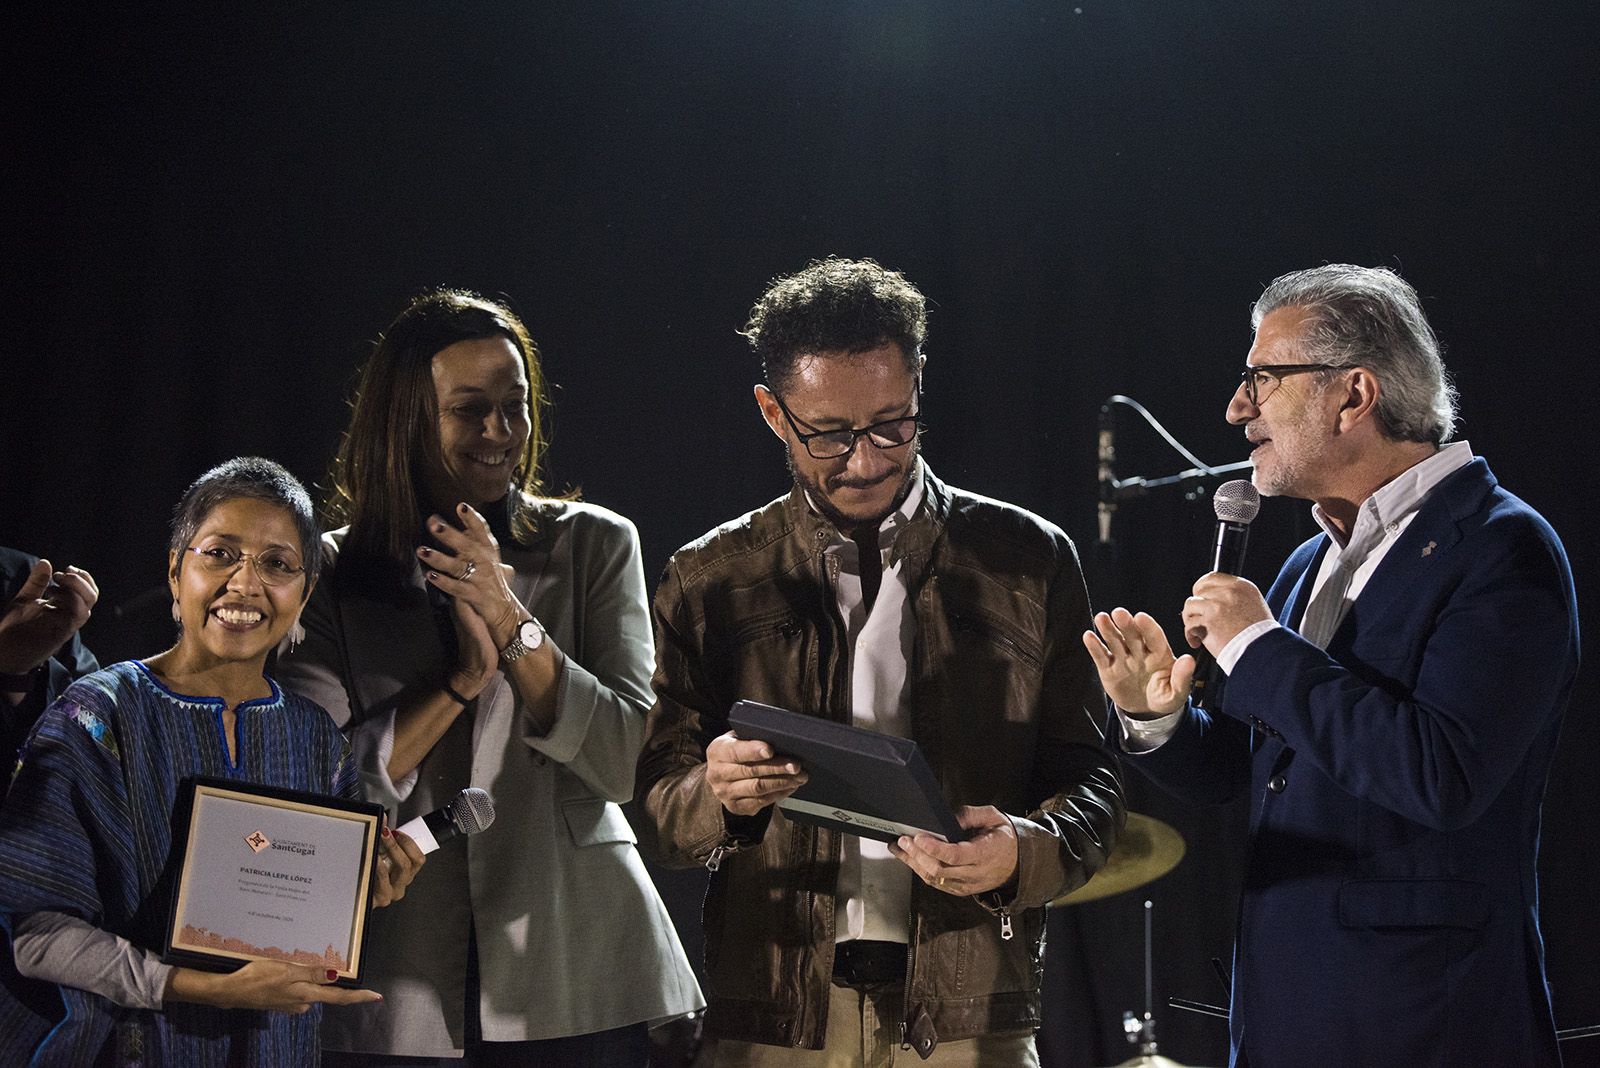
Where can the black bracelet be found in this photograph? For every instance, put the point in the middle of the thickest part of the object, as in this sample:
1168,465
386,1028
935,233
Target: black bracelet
452,692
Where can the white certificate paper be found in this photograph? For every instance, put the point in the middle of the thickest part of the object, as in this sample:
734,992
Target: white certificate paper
274,875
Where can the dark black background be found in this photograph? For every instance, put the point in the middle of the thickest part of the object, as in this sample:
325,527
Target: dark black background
210,213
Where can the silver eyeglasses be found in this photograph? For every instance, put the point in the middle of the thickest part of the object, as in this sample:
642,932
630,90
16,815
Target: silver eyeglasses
275,567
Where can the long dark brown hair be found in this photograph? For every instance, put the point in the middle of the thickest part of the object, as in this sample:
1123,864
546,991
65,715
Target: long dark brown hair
374,484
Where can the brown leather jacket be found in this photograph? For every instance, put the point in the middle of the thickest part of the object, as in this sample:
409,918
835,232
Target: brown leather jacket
1005,705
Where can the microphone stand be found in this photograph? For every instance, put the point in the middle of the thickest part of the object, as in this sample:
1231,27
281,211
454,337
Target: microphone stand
1114,490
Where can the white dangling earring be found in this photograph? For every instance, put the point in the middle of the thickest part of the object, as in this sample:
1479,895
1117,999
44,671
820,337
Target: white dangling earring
297,634
176,616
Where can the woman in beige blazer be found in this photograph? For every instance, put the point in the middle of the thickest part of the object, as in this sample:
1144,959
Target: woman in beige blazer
474,633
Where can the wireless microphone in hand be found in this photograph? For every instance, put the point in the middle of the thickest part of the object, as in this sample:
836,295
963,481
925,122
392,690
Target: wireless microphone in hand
1236,504
470,812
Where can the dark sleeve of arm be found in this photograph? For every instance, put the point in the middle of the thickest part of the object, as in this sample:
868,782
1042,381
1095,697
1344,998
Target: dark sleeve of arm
72,661
685,819
1494,674
1068,836
1206,762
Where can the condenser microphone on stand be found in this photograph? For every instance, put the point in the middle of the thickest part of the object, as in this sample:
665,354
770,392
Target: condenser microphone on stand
1236,504
1108,478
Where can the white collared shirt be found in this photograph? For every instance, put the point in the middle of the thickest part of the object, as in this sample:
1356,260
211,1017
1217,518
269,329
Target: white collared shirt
1382,519
874,889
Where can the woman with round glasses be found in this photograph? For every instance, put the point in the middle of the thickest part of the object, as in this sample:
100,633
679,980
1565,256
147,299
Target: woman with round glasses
85,833
476,633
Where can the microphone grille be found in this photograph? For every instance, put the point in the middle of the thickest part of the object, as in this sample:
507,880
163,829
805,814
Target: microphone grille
472,810
1236,501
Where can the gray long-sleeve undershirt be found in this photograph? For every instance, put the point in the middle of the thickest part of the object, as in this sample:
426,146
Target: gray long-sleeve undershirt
62,949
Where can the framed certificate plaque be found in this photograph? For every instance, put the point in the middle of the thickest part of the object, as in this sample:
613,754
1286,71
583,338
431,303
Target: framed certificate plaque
270,874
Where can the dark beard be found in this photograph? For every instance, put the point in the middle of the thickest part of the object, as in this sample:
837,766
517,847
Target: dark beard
845,524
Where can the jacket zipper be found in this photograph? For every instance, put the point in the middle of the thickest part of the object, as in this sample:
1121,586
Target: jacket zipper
721,850
994,634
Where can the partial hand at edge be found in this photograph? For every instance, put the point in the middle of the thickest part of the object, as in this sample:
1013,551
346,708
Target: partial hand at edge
41,618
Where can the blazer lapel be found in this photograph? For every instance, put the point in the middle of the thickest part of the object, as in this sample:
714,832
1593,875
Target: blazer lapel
1430,536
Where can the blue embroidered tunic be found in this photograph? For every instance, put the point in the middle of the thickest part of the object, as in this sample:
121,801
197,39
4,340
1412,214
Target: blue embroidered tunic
87,830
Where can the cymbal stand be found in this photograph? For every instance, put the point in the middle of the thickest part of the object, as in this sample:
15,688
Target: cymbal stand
1142,1032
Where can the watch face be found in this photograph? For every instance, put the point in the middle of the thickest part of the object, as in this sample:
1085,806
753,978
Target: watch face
531,634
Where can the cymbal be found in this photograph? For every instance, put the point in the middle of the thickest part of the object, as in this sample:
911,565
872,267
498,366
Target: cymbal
1146,851
1149,1060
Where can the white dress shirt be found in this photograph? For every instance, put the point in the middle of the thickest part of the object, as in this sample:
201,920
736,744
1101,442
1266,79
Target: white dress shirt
1346,568
874,889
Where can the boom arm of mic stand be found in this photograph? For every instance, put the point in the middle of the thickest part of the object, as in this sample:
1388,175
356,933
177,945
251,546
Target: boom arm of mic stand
1113,489
1123,489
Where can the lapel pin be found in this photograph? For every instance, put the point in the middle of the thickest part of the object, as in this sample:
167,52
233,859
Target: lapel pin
1427,550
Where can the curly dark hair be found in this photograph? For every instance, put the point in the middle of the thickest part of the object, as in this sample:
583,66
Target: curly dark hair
835,305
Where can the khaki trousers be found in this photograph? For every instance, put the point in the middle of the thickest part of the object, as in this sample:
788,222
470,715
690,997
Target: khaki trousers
864,1032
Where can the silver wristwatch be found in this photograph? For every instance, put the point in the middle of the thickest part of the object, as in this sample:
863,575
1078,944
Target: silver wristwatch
529,636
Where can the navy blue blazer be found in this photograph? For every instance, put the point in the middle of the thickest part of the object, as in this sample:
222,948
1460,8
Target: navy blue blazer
1390,908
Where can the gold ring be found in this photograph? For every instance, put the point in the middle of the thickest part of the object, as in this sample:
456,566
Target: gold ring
939,882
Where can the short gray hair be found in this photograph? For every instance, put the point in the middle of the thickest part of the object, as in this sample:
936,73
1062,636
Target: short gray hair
1371,317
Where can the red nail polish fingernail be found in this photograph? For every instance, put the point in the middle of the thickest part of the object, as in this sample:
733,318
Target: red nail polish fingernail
387,833
332,975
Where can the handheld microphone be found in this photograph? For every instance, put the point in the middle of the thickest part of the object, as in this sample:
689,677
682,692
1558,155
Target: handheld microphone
1108,480
470,812
1236,504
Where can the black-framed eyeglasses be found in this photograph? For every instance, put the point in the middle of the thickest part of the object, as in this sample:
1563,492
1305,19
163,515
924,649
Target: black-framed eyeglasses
832,444
1272,375
275,567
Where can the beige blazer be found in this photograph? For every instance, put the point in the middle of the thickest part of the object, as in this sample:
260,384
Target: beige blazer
572,936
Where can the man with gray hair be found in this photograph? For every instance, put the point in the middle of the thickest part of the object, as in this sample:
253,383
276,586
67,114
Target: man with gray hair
1391,705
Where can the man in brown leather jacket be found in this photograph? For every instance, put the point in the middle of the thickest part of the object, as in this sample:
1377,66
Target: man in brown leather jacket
875,594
